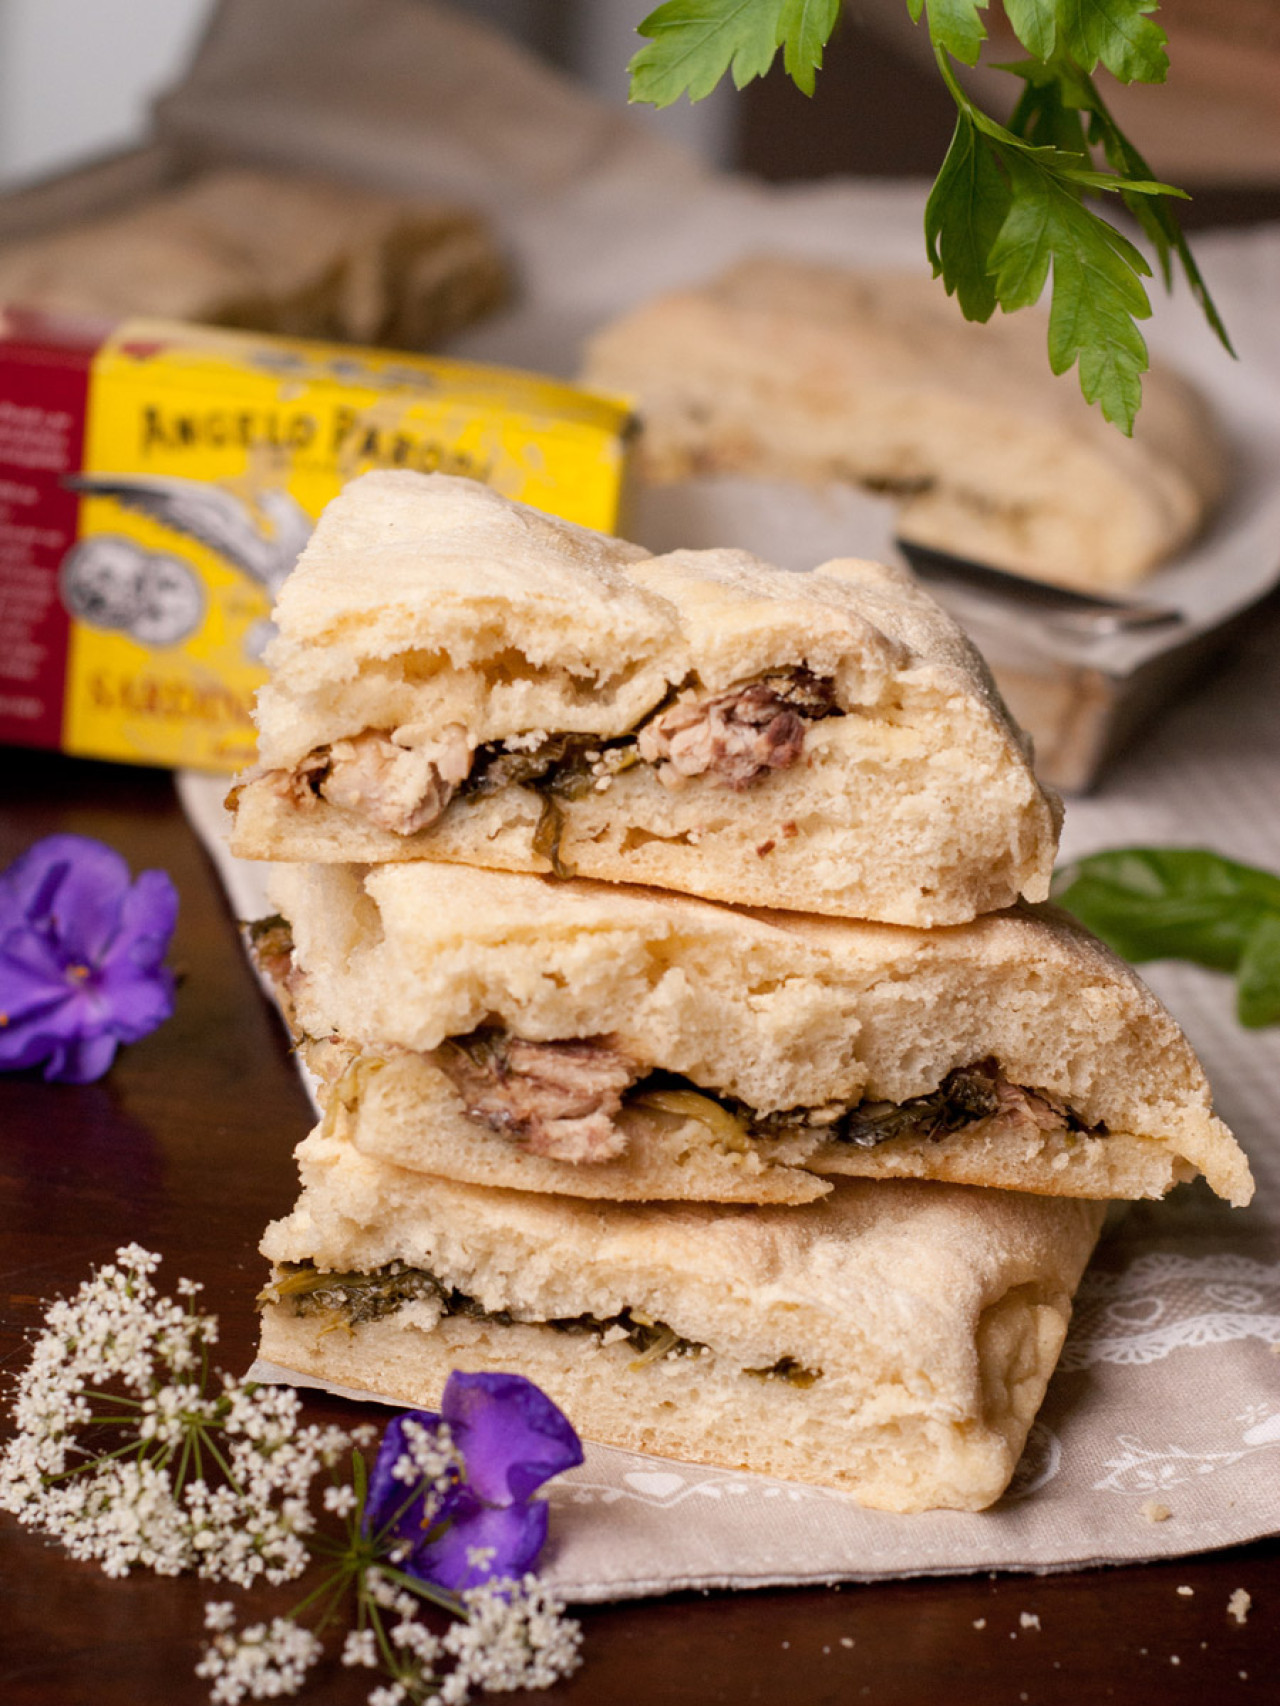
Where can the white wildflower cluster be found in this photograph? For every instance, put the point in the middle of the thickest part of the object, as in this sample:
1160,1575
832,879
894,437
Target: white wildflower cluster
516,1637
513,1635
216,1483
260,1663
130,1453
415,1648
430,1455
341,1500
430,1464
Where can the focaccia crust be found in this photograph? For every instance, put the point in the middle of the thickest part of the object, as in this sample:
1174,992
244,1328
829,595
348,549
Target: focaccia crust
784,367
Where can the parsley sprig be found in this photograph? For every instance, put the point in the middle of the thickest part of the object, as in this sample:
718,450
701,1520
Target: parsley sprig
1012,202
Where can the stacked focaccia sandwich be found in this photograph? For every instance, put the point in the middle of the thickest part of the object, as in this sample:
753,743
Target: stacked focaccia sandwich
789,1159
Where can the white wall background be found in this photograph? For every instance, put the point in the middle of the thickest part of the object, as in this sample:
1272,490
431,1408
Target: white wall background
77,76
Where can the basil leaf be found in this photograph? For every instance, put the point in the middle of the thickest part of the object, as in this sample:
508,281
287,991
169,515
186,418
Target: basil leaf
1258,975
1184,904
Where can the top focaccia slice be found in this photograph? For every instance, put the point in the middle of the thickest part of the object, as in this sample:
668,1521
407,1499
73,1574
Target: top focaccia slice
611,1042
787,368
461,678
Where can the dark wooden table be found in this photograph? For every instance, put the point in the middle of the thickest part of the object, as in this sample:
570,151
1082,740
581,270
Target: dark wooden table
185,1148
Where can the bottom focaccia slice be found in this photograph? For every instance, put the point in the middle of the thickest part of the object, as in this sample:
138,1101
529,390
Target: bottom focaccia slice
893,1340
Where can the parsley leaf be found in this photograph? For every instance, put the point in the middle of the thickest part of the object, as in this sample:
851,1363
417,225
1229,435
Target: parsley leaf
1097,290
806,27
694,42
1034,24
956,26
1115,32
1184,904
1152,212
1009,207
966,210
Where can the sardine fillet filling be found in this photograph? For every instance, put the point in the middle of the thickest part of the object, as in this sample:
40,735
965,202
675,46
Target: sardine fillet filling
558,1099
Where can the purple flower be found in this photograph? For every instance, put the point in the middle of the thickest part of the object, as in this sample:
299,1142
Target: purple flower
80,957
482,1523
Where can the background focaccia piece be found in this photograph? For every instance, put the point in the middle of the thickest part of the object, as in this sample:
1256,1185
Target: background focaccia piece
894,1340
432,623
271,252
787,1023
787,368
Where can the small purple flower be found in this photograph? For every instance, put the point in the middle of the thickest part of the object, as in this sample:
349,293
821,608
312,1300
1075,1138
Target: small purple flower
484,1523
80,957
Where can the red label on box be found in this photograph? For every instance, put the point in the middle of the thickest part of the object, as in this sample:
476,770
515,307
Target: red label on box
44,390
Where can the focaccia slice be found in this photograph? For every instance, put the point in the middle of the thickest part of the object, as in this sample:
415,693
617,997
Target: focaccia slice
460,678
509,1030
782,367
894,1341
271,252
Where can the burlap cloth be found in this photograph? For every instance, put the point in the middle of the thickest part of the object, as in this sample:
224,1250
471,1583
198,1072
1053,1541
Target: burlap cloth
1168,1393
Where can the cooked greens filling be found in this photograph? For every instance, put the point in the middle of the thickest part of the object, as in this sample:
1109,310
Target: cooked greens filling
355,1298
270,938
562,1099
733,738
569,765
966,1096
563,767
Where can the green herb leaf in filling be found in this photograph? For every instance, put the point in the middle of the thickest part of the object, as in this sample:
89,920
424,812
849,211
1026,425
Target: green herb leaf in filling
356,1298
